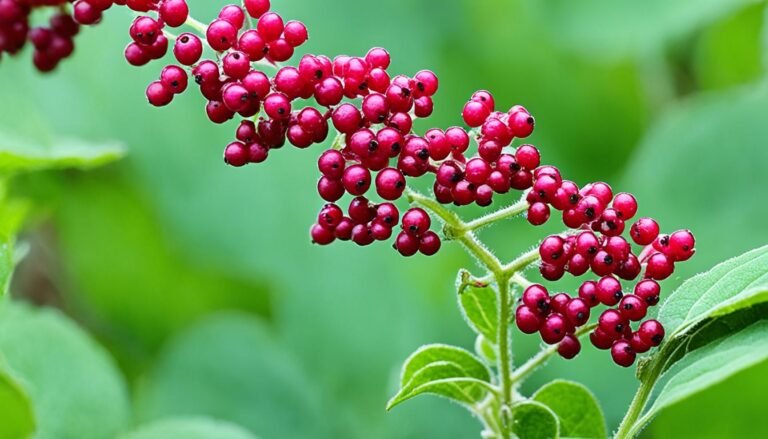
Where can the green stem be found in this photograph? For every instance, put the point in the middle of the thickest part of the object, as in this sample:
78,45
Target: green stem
522,261
538,360
505,352
507,212
196,25
633,422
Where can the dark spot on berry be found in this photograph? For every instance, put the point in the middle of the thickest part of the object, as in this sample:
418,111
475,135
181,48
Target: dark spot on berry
423,154
657,338
608,259
573,199
589,212
406,92
184,39
373,146
318,73
420,86
529,121
399,184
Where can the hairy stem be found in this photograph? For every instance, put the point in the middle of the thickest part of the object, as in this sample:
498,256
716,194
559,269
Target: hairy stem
507,212
542,357
505,351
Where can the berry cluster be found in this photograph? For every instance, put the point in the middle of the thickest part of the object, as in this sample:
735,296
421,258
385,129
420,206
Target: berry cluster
372,114
51,43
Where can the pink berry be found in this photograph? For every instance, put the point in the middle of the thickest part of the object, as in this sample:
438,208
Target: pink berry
320,235
659,266
174,12
612,322
233,14
644,231
188,49
475,113
236,154
633,307
295,33
158,94
626,205
577,311
681,245
648,290
390,184
609,291
538,213
174,78
256,8
270,26
221,35
356,180
536,298
651,332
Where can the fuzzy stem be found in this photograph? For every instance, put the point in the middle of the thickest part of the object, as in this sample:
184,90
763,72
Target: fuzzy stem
508,212
196,25
541,358
505,351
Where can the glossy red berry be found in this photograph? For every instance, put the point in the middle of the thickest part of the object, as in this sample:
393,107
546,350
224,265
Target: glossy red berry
588,293
551,250
321,235
612,322
569,347
538,213
577,311
236,154
475,113
390,184
188,49
681,245
295,33
174,78
416,221
158,94
270,26
659,266
622,353
651,332
609,290
536,298
626,205
601,339
174,12
256,8
553,330
407,244
221,35
633,307
644,231
356,179
648,290
429,243
527,320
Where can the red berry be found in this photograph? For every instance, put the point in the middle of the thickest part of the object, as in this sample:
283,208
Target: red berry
321,235
221,35
536,298
633,307
601,339
528,156
416,221
477,171
429,243
644,231
569,347
626,205
188,49
356,180
295,33
612,323
407,244
551,250
527,320
330,216
521,124
174,12
609,291
588,293
648,290
426,83
233,14
330,189
475,113
651,332
256,8
681,245
270,26
484,97
158,94
577,311
236,154
554,329
174,78
637,344
390,184
538,213
659,266
622,353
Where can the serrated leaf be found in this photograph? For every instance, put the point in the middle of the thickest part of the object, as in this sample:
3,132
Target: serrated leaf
445,371
534,420
480,309
17,155
193,427
734,284
576,408
74,387
711,364
18,416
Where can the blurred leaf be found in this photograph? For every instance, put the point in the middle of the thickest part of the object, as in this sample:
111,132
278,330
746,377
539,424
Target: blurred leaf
729,52
443,370
230,367
576,408
609,29
189,428
534,420
129,271
711,364
20,156
479,306
732,285
18,416
74,387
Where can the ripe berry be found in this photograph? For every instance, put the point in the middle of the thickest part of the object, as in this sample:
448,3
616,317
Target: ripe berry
609,291
233,14
158,94
587,244
521,124
632,307
295,33
235,97
188,49
551,272
416,221
270,26
622,353
330,216
475,113
528,156
356,180
361,211
346,118
554,328
612,322
407,244
551,250
527,320
603,263
388,214
588,293
637,344
626,205
484,97
536,298
659,266
174,12
429,243
235,154
236,65
343,231
477,171
174,78
390,184
426,82
330,189
648,290
256,8
569,347
644,231
559,301
601,339
321,235
221,35
136,55
277,106
681,245
651,332
577,311
362,235
538,213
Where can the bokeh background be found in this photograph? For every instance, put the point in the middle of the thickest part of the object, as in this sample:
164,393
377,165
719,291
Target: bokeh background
200,279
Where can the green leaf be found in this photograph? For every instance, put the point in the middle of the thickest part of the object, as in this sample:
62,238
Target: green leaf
445,371
534,420
18,416
734,284
711,364
576,408
231,367
480,309
17,155
74,387
485,350
189,428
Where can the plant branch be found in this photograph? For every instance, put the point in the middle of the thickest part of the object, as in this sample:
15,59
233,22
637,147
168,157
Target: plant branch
522,261
510,211
541,358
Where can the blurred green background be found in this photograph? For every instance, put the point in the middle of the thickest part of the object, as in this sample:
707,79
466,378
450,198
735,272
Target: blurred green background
200,279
